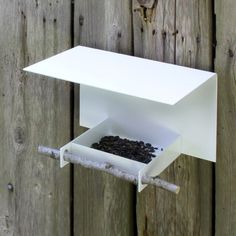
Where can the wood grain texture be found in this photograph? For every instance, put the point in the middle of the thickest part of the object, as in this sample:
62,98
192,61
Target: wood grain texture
35,111
177,33
225,66
153,38
103,204
194,49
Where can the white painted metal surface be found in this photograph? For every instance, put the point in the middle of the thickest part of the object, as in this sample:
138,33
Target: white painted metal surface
152,80
166,105
168,144
194,117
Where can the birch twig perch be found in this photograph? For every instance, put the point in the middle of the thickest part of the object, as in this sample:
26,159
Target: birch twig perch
108,168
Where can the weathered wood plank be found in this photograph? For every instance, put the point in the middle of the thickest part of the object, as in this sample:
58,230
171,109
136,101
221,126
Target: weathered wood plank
169,36
34,111
103,203
225,66
153,39
194,49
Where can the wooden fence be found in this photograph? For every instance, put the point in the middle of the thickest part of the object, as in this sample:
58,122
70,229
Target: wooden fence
36,197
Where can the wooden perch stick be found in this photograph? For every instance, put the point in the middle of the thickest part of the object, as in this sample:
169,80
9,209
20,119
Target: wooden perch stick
108,168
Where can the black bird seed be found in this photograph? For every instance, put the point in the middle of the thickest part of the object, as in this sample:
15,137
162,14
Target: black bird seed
134,150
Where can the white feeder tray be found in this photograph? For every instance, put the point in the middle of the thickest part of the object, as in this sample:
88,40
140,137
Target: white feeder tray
169,106
168,143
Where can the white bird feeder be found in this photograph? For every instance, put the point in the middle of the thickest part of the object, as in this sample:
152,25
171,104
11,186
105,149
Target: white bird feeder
172,107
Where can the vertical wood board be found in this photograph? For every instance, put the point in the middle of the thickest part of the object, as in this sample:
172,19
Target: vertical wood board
153,39
34,111
225,66
194,29
103,204
174,30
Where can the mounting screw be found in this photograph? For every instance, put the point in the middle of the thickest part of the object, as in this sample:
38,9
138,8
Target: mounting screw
10,187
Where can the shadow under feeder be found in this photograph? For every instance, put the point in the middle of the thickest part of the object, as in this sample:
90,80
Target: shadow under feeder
168,106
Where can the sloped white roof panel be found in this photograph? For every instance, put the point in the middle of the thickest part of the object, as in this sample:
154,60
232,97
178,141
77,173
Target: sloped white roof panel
143,78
